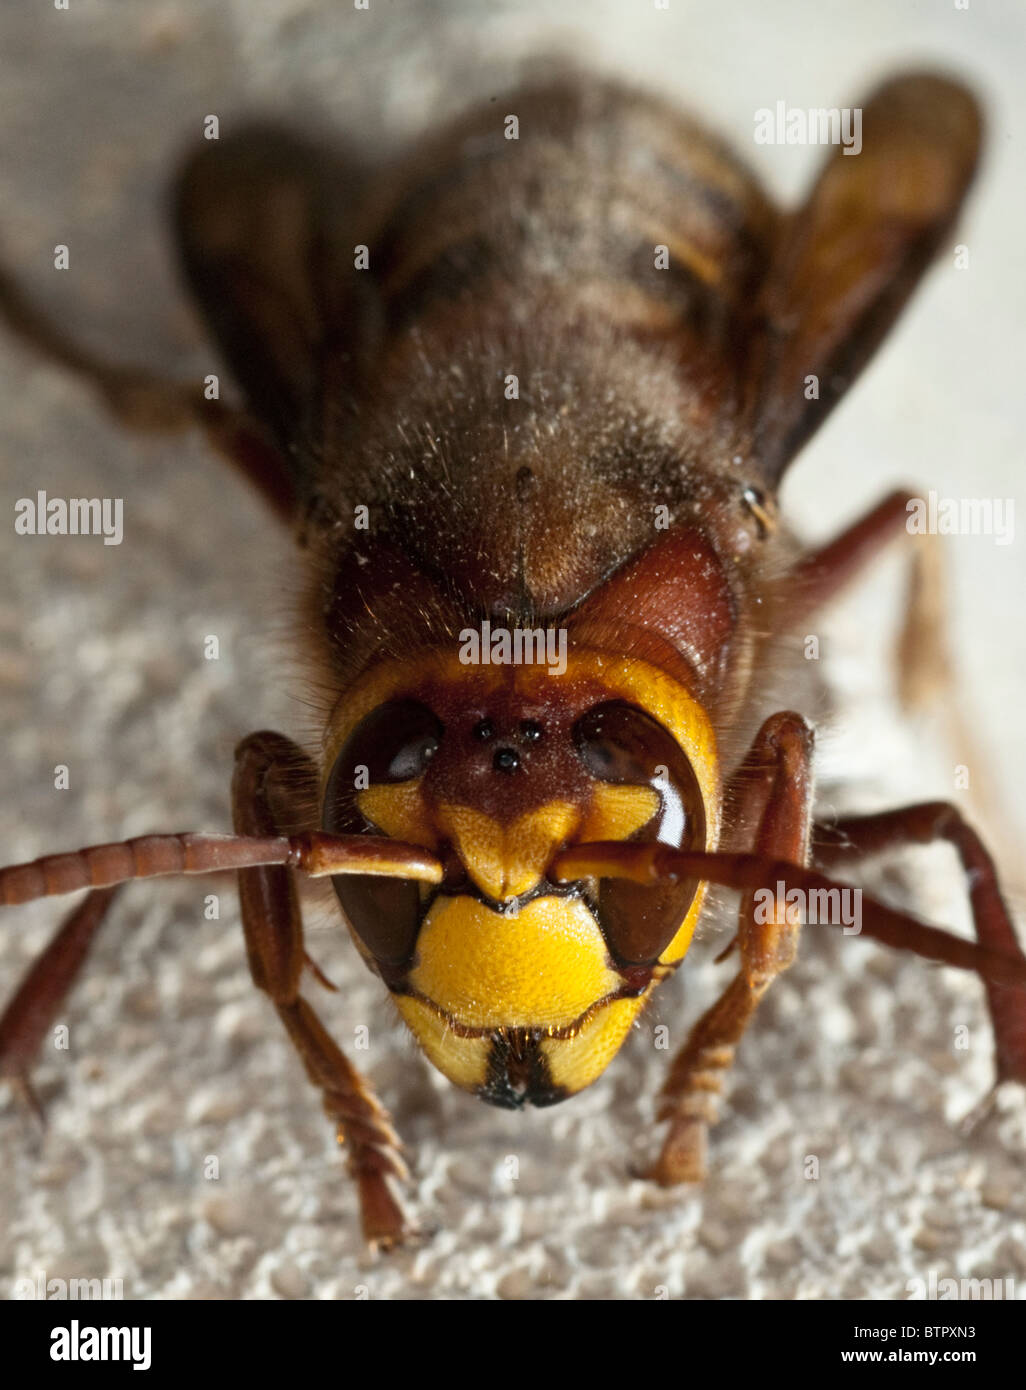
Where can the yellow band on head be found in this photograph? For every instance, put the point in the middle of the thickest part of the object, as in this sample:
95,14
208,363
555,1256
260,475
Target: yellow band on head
638,682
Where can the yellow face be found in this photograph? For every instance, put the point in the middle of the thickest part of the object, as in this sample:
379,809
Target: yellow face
516,987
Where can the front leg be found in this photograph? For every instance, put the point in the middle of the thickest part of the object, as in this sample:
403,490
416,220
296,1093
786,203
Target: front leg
273,924
774,785
266,863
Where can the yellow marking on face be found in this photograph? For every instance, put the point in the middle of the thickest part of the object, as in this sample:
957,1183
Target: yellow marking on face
478,960
617,812
663,697
507,860
397,808
576,1062
463,1060
541,968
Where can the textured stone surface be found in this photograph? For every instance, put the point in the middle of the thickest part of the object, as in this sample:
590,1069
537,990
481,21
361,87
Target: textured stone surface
173,1055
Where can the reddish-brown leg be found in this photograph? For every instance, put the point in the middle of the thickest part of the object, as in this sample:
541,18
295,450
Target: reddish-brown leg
147,403
44,988
268,775
997,959
860,837
925,668
923,659
272,921
821,574
777,778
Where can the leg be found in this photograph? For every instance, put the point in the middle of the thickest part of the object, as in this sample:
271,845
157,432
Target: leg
266,863
821,574
272,921
998,959
860,837
149,404
926,670
45,987
778,774
922,656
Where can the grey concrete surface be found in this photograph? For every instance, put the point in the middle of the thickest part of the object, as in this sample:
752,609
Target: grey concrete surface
173,1056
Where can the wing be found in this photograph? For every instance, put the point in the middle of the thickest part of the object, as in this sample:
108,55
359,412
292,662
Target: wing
848,260
259,218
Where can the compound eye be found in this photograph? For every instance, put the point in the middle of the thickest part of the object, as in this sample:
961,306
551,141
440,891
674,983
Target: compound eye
622,744
394,743
612,742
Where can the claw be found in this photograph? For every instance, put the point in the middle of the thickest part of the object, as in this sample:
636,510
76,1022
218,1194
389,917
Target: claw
981,1112
22,1087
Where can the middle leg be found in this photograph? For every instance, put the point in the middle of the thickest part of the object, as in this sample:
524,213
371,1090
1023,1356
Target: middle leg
273,924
